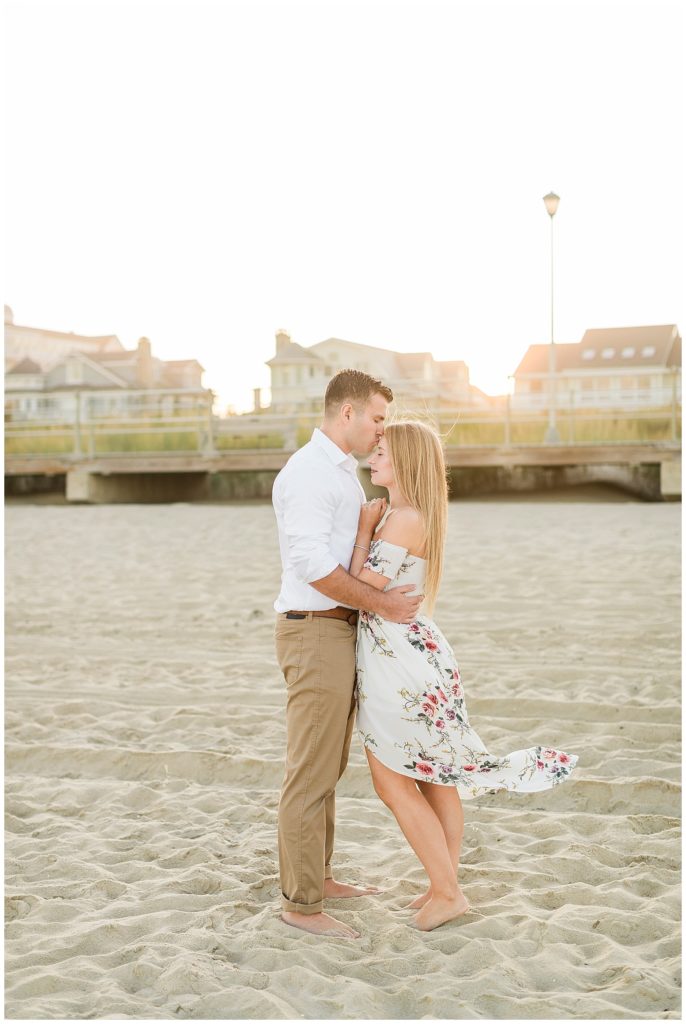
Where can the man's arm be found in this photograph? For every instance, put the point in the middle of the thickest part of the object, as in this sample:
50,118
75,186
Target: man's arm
393,605
308,509
308,513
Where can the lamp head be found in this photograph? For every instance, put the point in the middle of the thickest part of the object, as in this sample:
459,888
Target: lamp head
551,203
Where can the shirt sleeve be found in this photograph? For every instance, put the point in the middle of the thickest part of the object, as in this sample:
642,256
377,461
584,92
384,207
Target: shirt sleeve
385,558
308,517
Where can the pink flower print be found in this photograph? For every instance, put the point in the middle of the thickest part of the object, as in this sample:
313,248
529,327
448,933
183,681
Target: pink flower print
450,715
456,675
425,769
428,708
470,767
456,690
432,698
563,758
430,645
440,724
548,754
442,696
539,764
414,628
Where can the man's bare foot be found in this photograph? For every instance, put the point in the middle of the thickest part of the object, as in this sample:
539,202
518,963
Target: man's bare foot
420,901
439,910
334,890
319,924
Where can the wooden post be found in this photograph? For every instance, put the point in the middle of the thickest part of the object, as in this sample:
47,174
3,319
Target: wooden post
209,439
674,433
77,426
507,420
571,416
91,428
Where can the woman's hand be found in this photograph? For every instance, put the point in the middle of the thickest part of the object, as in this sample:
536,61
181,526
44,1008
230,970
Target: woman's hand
371,514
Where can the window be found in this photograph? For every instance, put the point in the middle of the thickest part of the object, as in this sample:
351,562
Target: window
608,353
629,351
588,353
648,350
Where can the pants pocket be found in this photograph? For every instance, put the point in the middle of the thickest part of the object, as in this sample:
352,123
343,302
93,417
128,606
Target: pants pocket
289,651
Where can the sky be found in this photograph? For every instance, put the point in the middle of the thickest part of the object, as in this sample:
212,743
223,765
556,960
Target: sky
204,174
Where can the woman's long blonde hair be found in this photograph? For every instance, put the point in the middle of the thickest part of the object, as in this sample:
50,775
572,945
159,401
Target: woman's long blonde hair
419,469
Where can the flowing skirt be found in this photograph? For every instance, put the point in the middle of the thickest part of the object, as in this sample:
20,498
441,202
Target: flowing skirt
411,714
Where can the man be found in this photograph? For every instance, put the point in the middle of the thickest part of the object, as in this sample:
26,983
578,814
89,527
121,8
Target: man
317,498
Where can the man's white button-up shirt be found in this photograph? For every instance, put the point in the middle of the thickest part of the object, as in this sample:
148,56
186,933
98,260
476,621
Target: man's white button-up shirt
316,498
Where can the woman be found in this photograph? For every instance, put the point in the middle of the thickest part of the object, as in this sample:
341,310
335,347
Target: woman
411,715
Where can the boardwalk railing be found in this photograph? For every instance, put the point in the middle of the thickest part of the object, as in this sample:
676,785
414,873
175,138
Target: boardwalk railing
91,424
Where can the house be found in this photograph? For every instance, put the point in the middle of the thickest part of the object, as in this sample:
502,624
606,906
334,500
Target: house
299,375
44,369
630,366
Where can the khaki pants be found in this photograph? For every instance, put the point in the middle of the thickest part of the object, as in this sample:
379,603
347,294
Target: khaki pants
317,658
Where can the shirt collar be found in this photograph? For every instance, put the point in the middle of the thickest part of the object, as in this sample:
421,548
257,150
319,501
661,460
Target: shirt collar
336,454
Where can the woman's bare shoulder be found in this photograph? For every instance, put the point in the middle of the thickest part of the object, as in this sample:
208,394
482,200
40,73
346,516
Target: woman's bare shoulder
404,527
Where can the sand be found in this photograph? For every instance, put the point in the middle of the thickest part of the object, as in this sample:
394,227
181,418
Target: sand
144,729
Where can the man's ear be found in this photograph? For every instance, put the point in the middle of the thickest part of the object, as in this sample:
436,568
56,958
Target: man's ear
346,410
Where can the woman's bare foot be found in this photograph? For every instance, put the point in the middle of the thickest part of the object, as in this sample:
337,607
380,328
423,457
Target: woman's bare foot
420,901
319,924
334,890
439,910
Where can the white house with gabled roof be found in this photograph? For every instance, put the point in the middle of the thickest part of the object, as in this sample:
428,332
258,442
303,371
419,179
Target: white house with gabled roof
45,368
299,375
610,365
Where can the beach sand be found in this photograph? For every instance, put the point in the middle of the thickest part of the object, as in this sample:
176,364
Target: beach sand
145,737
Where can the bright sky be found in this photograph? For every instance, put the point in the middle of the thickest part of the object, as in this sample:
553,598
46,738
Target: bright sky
204,174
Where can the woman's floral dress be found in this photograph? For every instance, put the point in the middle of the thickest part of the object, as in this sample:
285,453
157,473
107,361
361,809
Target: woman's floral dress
411,709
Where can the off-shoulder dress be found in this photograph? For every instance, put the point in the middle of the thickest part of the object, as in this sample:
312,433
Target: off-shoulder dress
411,710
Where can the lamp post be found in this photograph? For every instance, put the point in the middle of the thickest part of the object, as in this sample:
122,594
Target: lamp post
552,437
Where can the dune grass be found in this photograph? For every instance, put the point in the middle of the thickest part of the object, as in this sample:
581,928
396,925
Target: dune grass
114,438
577,430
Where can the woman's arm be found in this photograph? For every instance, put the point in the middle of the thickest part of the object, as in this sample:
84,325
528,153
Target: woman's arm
371,513
404,529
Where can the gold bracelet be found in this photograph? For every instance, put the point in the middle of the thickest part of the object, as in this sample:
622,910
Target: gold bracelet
361,546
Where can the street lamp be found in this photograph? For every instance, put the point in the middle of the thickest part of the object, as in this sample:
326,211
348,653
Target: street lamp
552,437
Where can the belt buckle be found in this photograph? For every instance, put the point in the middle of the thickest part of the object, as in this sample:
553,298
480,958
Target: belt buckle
294,615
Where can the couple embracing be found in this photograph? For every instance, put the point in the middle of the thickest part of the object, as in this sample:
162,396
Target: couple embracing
353,641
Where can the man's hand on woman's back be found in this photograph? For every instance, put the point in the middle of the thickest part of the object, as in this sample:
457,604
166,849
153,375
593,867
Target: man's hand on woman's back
402,606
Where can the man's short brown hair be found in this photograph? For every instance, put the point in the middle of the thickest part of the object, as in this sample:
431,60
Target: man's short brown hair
353,386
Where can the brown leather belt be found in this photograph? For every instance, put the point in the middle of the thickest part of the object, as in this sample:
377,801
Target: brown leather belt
339,612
